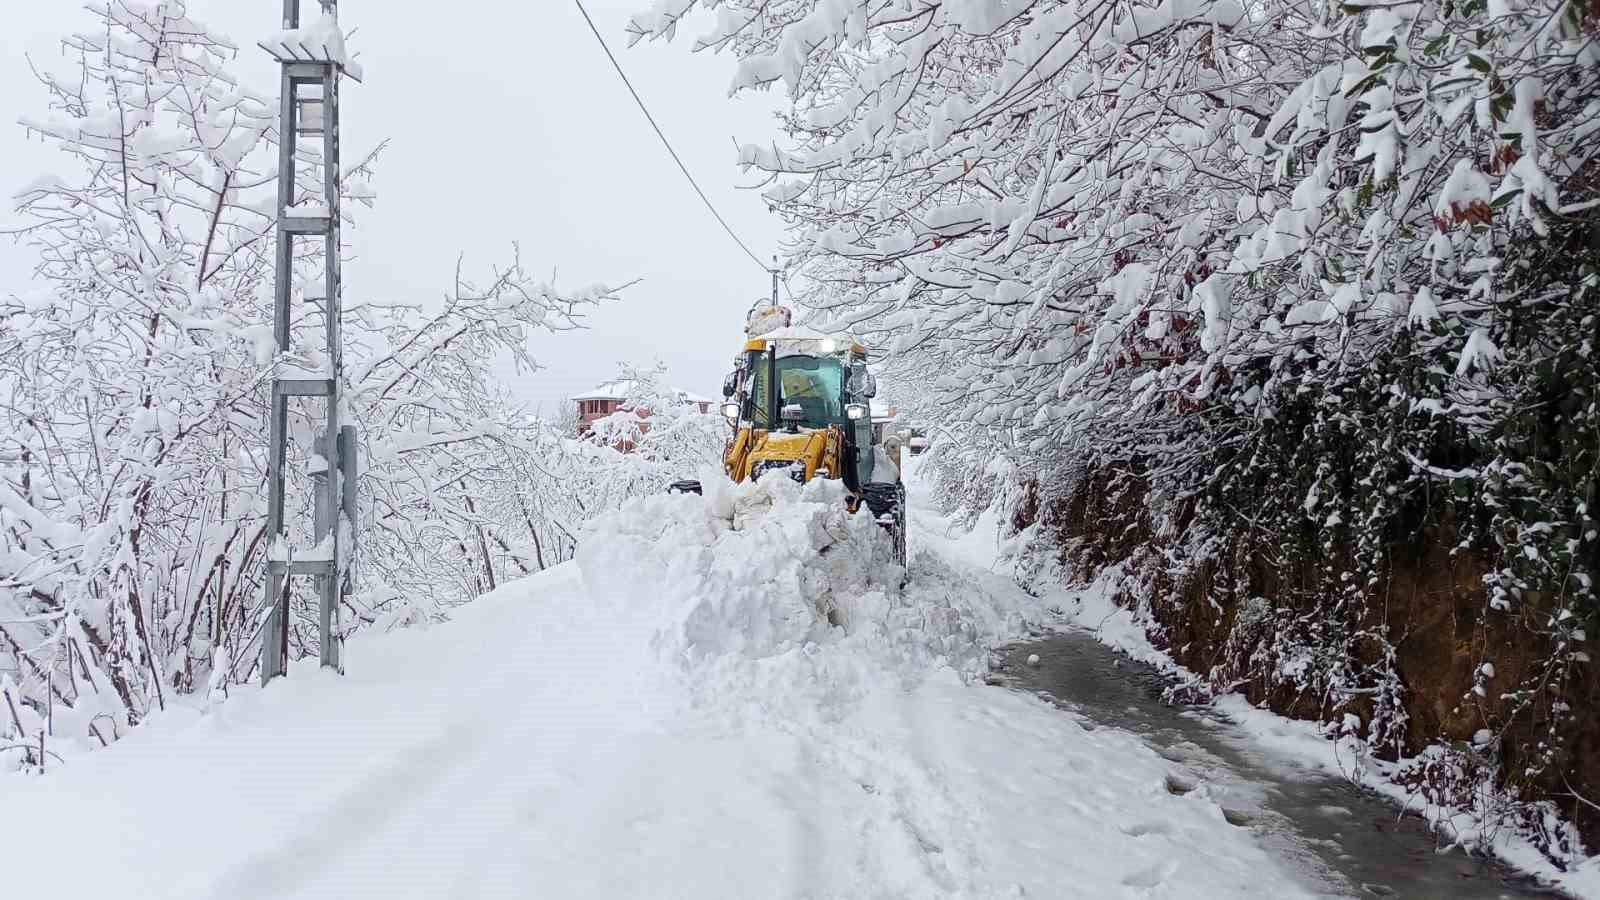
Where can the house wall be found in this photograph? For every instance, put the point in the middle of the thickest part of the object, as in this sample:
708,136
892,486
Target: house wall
590,410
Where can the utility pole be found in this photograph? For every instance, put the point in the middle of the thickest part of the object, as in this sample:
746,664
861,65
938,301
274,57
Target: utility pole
313,60
774,281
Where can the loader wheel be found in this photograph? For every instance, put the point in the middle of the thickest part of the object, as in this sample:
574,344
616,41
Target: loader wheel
887,503
901,548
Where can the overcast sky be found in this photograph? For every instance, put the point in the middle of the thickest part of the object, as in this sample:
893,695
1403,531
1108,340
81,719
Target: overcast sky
507,124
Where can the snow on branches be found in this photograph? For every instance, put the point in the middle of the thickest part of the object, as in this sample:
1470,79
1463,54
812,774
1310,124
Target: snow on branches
655,437
1066,202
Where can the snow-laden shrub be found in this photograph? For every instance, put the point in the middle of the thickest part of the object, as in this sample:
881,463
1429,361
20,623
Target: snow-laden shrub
655,437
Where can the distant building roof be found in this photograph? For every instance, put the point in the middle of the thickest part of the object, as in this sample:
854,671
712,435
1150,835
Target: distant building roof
622,387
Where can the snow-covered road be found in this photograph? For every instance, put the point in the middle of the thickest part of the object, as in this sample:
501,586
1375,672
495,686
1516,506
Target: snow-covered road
669,717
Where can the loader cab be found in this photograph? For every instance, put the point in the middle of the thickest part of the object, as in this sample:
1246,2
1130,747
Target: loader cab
826,377
794,380
815,384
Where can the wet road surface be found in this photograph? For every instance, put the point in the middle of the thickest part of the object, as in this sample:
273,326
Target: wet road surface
1351,841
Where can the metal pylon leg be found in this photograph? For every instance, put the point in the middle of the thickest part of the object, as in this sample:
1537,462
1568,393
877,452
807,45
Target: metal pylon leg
311,76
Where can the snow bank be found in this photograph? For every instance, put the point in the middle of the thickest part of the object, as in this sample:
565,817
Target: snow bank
751,569
770,570
773,615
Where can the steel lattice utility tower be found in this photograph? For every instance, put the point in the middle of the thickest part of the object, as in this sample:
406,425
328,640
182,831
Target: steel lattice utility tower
313,62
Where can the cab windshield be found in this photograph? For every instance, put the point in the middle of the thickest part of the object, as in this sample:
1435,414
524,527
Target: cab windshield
815,384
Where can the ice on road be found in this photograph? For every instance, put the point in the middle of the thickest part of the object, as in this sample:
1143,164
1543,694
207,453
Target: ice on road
723,697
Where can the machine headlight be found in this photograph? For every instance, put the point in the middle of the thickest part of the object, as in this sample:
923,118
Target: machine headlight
827,345
730,410
855,411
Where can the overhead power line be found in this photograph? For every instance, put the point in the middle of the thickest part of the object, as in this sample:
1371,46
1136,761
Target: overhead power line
666,143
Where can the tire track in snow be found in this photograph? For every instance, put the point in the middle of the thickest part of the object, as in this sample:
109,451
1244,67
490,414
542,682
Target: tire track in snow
807,848
355,817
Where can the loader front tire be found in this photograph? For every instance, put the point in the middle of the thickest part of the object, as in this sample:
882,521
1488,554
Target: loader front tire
887,503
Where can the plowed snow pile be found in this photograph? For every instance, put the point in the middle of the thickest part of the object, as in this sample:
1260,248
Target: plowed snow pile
748,569
728,697
761,570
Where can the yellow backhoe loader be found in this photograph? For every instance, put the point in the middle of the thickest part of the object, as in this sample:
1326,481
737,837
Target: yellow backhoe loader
800,403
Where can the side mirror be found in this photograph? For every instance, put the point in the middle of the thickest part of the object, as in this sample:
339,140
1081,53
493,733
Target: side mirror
862,382
730,383
730,410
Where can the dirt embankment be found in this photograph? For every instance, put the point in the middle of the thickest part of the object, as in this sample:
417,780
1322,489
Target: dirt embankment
1414,651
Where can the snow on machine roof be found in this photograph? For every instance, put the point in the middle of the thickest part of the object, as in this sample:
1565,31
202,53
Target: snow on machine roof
799,339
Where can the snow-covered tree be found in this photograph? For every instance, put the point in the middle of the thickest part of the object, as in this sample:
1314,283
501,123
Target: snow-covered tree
660,424
132,457
656,436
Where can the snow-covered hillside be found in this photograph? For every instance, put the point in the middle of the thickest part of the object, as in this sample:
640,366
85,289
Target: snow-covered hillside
670,716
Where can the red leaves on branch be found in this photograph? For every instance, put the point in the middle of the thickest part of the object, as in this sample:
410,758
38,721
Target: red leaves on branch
1506,156
1197,275
1476,213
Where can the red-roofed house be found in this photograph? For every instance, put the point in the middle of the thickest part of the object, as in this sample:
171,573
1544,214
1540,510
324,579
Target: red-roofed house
608,398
